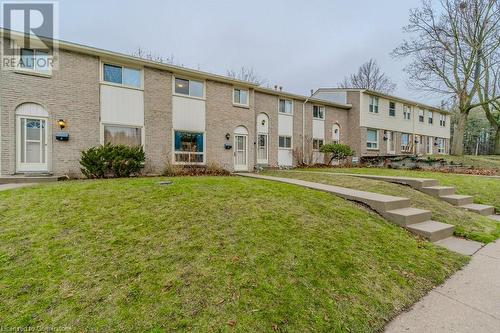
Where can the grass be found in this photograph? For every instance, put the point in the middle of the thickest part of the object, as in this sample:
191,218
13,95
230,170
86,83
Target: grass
480,161
469,225
205,254
486,190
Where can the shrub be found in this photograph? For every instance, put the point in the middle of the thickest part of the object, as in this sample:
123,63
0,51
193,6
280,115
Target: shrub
337,151
210,169
111,161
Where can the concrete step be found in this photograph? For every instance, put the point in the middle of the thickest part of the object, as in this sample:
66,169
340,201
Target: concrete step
432,230
438,191
479,209
457,200
27,179
406,216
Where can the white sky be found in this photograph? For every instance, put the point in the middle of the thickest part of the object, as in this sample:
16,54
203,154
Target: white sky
300,45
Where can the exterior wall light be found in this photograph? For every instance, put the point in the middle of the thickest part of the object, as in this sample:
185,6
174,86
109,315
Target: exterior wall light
263,122
61,123
228,136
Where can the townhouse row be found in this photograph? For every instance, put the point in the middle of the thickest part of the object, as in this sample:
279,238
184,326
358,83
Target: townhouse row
182,116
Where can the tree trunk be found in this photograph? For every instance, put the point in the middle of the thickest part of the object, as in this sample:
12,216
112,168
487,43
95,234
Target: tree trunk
496,148
457,145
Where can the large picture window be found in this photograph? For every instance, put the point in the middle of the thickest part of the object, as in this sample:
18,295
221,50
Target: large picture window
121,135
372,139
122,75
188,147
189,87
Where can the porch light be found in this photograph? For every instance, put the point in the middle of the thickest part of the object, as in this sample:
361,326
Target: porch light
228,136
61,123
263,122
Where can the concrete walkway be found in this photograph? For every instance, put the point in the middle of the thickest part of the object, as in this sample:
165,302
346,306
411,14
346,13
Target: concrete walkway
468,302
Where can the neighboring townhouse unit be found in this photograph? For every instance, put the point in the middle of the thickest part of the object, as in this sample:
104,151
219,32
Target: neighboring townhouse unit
180,116
384,125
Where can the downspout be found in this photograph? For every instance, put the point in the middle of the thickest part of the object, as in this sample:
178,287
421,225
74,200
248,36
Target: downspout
304,129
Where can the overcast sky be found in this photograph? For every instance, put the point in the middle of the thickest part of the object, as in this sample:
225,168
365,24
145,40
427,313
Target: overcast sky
298,44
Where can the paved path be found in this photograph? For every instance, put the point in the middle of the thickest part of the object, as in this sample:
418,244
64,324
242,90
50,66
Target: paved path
4,187
468,302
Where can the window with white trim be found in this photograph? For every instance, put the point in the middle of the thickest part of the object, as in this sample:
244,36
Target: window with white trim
317,143
405,143
240,96
421,115
32,59
442,120
318,112
285,106
188,87
373,107
441,143
406,112
371,139
392,109
285,142
431,117
189,147
126,76
123,135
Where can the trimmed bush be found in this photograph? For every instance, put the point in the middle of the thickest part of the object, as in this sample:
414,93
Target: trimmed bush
210,169
112,161
337,151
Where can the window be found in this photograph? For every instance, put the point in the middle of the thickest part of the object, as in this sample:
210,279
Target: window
285,106
421,115
318,112
240,97
442,120
37,60
188,147
285,142
122,135
406,112
122,75
372,139
392,109
405,143
317,143
189,87
373,108
441,143
431,117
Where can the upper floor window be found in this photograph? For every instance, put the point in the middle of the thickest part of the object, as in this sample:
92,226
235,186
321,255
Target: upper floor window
318,112
189,87
421,115
392,109
431,117
406,112
240,97
373,108
442,120
32,59
122,75
286,106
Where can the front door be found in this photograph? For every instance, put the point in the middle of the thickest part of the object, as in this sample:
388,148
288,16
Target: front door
240,153
391,149
262,149
429,145
31,144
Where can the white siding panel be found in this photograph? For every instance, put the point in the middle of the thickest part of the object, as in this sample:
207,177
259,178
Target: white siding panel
122,106
318,129
188,114
285,125
285,157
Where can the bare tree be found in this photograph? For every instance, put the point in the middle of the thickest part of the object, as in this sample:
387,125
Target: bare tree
148,55
489,87
371,77
445,46
246,74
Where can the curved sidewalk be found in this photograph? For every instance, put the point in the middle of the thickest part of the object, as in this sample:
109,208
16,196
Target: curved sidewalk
469,301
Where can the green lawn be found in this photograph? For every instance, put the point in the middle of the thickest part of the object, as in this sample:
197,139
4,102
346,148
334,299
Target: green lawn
468,224
205,254
480,161
486,190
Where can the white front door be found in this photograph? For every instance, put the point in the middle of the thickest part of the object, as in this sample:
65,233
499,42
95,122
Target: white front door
262,156
31,144
429,145
391,148
240,153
